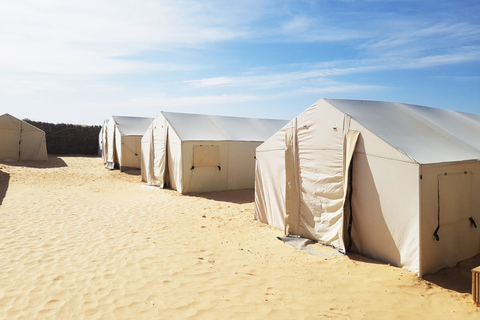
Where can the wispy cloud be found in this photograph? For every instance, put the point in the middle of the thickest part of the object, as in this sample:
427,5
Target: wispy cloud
83,37
277,80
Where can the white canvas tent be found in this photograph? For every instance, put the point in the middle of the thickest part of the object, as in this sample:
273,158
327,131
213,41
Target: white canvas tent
203,153
395,182
20,140
122,141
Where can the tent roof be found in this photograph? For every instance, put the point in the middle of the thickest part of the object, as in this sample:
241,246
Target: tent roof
132,126
16,120
198,127
426,135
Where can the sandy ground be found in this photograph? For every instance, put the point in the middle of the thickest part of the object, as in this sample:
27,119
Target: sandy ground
78,241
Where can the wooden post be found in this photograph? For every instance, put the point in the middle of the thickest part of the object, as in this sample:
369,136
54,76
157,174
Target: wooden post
476,285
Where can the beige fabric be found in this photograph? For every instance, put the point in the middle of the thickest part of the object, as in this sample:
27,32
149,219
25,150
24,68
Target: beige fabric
147,155
292,192
154,153
110,157
241,154
351,139
20,140
270,193
124,141
449,197
200,153
401,154
206,156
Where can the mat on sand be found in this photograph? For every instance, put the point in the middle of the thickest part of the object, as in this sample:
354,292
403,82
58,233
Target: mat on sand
311,246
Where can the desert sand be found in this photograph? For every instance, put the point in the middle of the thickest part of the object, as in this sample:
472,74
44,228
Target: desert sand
78,241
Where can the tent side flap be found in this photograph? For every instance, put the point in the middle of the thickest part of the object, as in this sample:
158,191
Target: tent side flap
160,140
118,147
320,135
292,190
110,146
147,155
174,165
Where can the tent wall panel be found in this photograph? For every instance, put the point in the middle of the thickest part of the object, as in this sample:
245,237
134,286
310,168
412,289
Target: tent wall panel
9,140
33,146
174,164
270,194
20,140
131,152
449,198
386,210
241,165
205,178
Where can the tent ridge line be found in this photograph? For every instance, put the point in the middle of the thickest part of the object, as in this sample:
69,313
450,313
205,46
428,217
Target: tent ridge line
382,157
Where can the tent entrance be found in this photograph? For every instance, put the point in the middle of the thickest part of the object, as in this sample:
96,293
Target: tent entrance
349,150
457,231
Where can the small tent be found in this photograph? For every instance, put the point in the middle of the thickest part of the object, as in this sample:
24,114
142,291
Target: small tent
203,153
20,140
395,182
121,145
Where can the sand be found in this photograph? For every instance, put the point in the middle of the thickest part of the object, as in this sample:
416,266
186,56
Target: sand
78,241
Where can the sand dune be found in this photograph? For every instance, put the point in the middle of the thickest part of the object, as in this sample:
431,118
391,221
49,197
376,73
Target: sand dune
78,241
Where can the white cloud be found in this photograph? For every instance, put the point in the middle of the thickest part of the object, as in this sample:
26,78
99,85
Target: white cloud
89,37
281,80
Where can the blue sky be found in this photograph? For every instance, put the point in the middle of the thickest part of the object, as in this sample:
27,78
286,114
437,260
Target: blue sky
83,61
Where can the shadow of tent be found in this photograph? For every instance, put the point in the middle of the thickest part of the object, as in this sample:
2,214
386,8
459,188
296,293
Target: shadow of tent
4,180
233,196
458,278
133,172
359,258
53,162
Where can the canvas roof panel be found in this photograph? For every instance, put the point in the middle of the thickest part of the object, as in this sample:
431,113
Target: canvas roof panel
197,127
427,135
132,126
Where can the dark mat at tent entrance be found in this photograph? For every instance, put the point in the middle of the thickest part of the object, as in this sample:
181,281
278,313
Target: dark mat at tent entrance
311,246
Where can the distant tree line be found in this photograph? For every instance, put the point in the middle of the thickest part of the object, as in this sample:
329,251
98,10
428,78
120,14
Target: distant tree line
65,138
